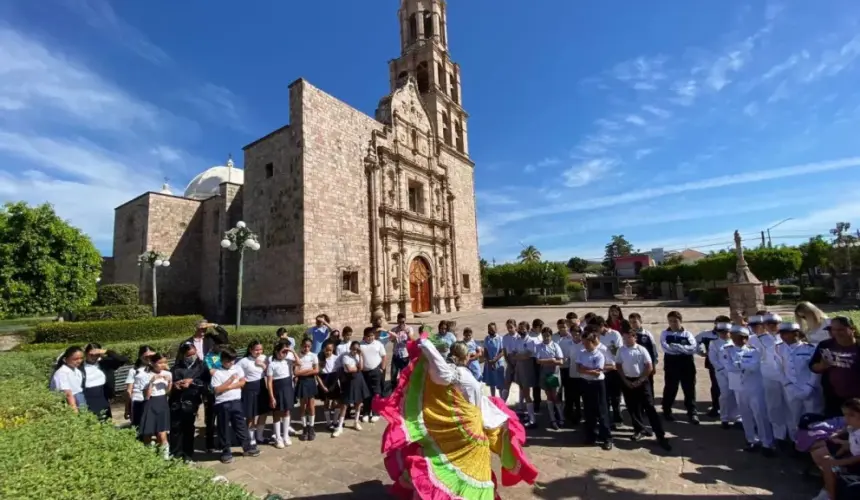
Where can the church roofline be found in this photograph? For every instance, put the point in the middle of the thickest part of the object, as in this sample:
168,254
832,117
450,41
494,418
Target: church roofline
270,134
136,198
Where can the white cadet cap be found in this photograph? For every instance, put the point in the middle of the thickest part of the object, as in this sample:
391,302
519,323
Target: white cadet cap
755,320
772,318
789,327
723,327
740,330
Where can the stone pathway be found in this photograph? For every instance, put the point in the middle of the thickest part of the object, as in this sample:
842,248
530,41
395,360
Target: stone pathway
707,462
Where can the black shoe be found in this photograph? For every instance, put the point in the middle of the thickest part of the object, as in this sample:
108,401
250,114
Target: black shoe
752,448
636,436
693,419
606,445
768,452
668,417
616,418
252,452
312,434
725,426
738,425
714,413
664,443
613,427
305,433
553,425
647,433
226,459
529,425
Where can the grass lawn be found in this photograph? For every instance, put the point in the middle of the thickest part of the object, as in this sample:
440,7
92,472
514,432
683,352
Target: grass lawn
8,326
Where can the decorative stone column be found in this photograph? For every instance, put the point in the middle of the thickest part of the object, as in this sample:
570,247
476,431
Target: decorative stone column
679,289
455,269
746,293
371,165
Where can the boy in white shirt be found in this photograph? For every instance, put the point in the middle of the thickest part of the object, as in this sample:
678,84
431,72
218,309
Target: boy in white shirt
227,383
634,367
592,365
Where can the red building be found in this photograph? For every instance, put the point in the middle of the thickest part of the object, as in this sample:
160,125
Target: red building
630,266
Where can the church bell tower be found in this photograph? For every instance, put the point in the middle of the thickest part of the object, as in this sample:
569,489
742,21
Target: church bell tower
424,56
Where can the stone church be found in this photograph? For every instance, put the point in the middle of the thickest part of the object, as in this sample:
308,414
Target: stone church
357,216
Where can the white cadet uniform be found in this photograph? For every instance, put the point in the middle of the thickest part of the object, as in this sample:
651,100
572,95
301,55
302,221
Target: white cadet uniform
774,395
729,411
744,369
801,386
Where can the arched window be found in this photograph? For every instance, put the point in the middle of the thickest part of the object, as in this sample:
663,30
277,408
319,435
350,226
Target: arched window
413,28
446,128
401,78
428,24
440,70
422,74
458,134
455,95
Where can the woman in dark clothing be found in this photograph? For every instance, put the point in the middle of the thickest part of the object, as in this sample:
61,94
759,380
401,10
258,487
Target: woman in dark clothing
190,377
99,378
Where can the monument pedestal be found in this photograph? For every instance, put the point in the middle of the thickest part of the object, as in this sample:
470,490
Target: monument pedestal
746,293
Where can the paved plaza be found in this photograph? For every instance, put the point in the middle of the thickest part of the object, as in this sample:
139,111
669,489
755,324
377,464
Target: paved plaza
706,462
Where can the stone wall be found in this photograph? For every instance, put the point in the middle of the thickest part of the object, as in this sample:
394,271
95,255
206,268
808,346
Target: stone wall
212,218
335,139
107,271
131,221
175,228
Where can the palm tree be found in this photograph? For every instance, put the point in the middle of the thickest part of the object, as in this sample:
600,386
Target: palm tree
530,254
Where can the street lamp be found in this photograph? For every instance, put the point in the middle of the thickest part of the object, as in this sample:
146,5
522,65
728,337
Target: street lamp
154,260
769,243
238,239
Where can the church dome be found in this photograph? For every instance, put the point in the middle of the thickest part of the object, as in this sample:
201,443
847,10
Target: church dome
207,184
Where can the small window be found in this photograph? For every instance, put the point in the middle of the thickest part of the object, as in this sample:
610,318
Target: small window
270,170
416,197
428,24
455,95
446,129
413,28
350,281
422,74
458,133
467,284
440,71
414,139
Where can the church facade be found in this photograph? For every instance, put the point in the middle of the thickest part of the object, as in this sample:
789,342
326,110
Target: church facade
357,216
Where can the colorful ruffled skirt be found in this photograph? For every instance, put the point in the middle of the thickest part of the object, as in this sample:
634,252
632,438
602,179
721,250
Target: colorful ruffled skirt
436,445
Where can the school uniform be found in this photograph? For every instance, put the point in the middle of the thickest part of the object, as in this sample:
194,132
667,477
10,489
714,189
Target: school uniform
156,410
373,354
565,343
99,381
184,405
525,376
613,342
329,377
646,340
136,396
208,347
535,339
745,379
550,375
631,363
595,405
729,412
400,353
703,341
679,369
281,371
255,396
229,412
306,385
354,390
573,389
508,343
777,408
801,386
474,365
494,376
70,379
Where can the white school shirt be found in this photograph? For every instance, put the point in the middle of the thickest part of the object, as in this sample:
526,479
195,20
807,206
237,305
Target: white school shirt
797,378
136,393
249,367
592,361
330,365
307,361
373,353
68,379
221,376
95,376
613,341
349,360
854,442
632,360
281,368
159,388
767,345
714,353
566,344
548,351
508,342
571,360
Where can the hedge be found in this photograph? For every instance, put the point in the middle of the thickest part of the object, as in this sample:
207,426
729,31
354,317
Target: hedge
787,289
695,294
105,313
816,295
714,297
526,300
118,295
115,331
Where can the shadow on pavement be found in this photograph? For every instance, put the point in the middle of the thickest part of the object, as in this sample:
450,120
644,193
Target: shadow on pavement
360,491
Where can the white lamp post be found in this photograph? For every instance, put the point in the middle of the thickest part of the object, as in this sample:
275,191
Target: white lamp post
239,239
154,260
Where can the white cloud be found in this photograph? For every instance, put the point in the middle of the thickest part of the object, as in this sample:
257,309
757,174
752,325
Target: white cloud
219,105
658,112
100,15
636,120
834,61
587,172
642,153
642,73
751,109
685,92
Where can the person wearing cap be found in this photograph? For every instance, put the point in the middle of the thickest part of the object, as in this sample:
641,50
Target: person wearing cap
837,359
801,386
743,365
679,367
703,341
728,399
206,342
768,344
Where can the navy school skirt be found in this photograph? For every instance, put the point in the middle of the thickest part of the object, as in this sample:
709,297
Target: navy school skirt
137,412
285,395
255,399
353,389
306,387
156,416
97,402
332,383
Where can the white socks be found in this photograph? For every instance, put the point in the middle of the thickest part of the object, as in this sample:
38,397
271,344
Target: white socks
278,435
311,420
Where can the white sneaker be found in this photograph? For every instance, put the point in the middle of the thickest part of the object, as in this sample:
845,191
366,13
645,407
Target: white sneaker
253,443
337,432
279,444
288,441
292,432
822,495
364,418
374,419
357,425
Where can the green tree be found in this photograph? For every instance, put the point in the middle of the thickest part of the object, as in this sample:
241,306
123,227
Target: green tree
530,254
577,265
46,265
618,246
483,265
815,255
673,260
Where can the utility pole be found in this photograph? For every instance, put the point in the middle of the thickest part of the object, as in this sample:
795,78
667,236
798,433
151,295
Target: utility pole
762,239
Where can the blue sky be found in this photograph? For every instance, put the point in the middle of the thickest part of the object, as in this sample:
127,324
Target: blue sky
673,123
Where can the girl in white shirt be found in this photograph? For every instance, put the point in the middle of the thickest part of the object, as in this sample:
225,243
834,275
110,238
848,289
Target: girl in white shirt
68,378
328,384
155,382
840,455
99,367
307,369
353,387
135,400
279,382
255,400
550,358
